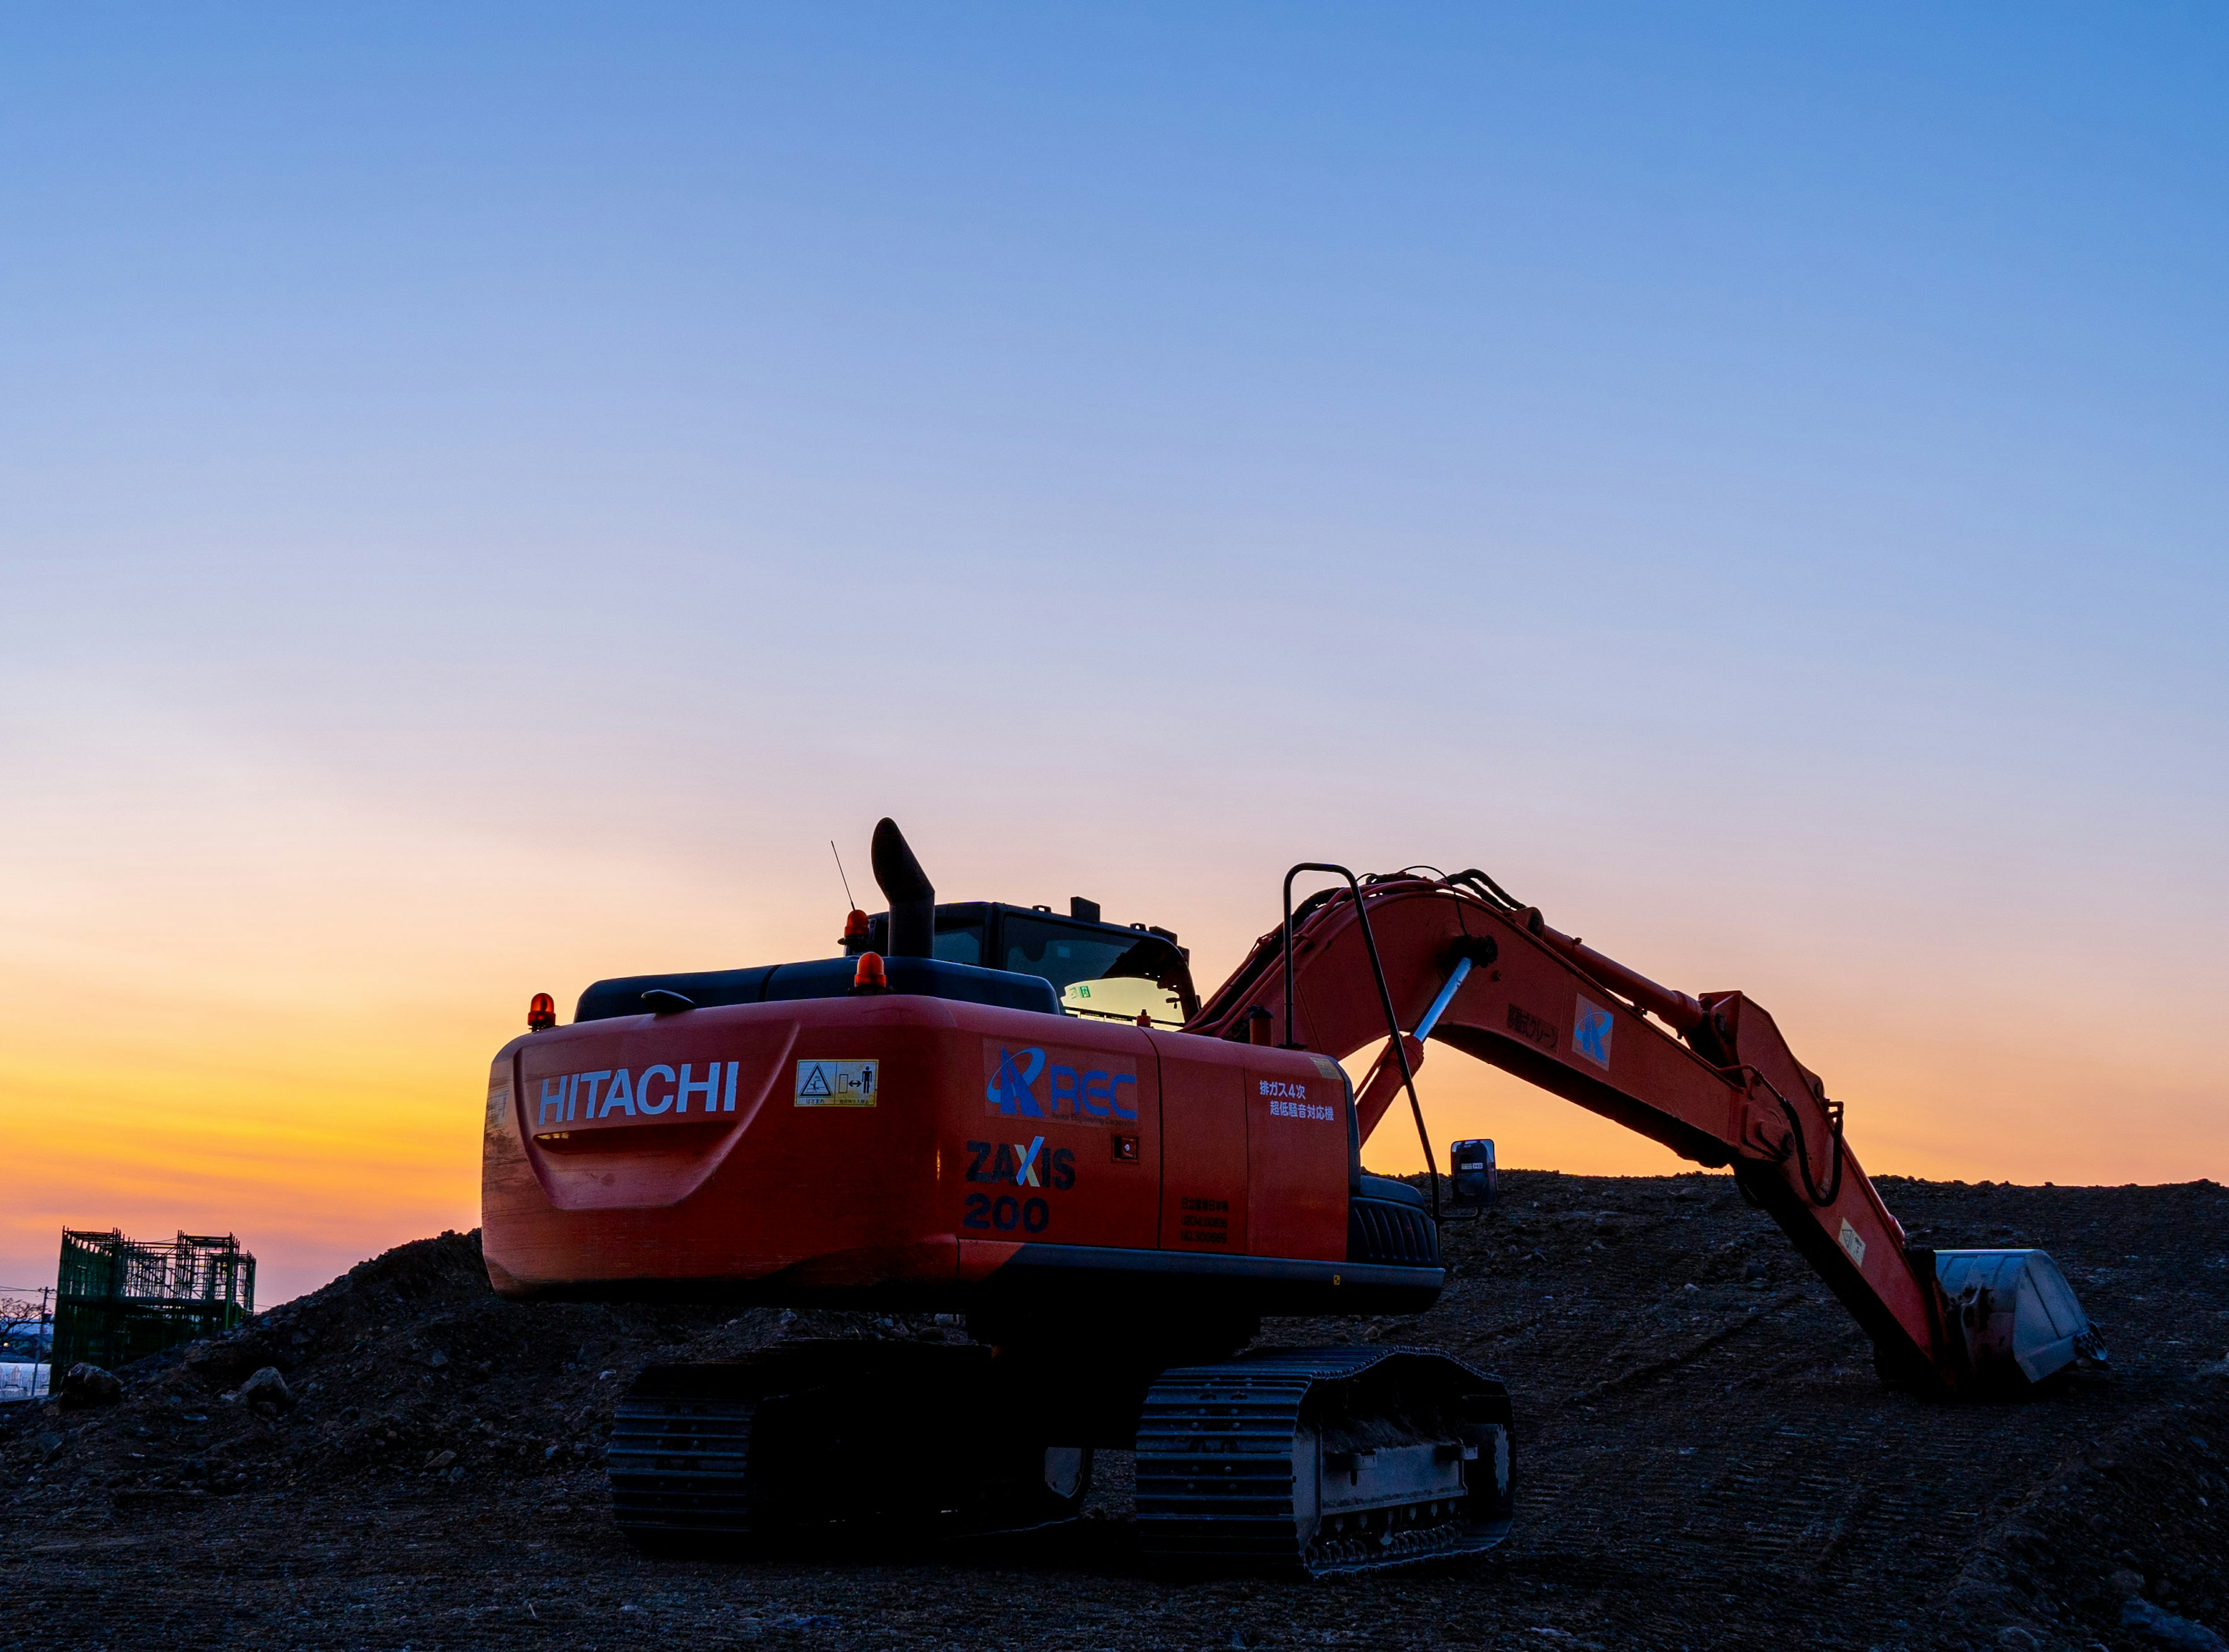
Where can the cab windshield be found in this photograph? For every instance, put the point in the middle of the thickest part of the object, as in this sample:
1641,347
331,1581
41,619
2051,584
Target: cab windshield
1112,976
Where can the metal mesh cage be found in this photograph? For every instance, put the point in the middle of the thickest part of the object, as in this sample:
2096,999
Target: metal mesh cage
119,1300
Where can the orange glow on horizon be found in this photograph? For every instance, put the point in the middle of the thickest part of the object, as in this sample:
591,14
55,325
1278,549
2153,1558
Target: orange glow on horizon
232,1037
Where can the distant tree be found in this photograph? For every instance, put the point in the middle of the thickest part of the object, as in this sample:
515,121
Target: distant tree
21,1318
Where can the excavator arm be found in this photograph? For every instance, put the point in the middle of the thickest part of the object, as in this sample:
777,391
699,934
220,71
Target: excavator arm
1410,960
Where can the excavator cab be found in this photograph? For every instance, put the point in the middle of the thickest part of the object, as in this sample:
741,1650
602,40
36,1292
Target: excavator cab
1108,972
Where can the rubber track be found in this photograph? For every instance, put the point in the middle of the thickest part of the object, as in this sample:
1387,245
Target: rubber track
1215,1468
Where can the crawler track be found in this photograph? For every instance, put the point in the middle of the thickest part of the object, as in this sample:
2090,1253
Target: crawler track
1311,1461
834,1439
680,1457
1268,1462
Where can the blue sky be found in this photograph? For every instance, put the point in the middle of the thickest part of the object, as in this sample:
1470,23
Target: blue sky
1873,341
1750,478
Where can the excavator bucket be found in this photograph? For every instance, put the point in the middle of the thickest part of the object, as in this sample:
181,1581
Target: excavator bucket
2017,1315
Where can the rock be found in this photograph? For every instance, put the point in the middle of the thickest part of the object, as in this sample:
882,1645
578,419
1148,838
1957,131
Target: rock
437,1460
85,1386
222,1360
2165,1629
267,1387
2125,1582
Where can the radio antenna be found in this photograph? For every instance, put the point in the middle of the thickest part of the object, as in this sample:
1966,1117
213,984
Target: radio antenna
848,900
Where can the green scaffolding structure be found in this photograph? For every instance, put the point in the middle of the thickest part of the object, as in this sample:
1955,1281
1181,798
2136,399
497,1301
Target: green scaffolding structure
119,1300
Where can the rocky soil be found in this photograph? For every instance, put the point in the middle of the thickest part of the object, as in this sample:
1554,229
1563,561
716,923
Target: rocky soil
1705,1458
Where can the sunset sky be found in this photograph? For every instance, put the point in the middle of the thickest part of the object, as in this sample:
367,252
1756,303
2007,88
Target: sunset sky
486,494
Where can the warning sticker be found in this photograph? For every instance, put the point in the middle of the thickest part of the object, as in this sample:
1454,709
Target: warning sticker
1854,1242
837,1084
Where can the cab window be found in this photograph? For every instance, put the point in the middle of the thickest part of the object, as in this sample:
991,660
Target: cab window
1111,975
962,944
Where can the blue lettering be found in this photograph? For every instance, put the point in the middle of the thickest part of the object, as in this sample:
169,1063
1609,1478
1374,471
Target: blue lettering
552,1102
642,1089
1115,1095
595,1082
1062,1081
686,1089
620,1096
1097,1093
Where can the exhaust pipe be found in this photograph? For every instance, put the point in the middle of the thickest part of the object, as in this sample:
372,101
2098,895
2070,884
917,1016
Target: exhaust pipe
911,896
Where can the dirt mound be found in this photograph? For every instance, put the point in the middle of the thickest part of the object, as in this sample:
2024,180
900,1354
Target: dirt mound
1705,1457
406,1364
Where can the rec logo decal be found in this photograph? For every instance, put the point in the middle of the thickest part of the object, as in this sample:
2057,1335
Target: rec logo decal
1031,1083
1590,1030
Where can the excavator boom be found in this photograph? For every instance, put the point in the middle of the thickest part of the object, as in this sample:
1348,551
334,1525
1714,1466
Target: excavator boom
1459,962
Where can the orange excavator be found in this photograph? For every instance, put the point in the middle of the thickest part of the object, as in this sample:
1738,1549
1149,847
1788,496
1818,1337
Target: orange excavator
1030,1120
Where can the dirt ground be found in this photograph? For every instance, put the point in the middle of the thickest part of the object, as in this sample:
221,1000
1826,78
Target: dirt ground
1705,1456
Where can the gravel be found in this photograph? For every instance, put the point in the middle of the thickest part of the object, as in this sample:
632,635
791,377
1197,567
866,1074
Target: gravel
1705,1459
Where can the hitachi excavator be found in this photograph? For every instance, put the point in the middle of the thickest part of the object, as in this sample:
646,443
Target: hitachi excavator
1029,1119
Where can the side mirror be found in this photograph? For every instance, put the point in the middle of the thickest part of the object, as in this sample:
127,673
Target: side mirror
1476,1181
